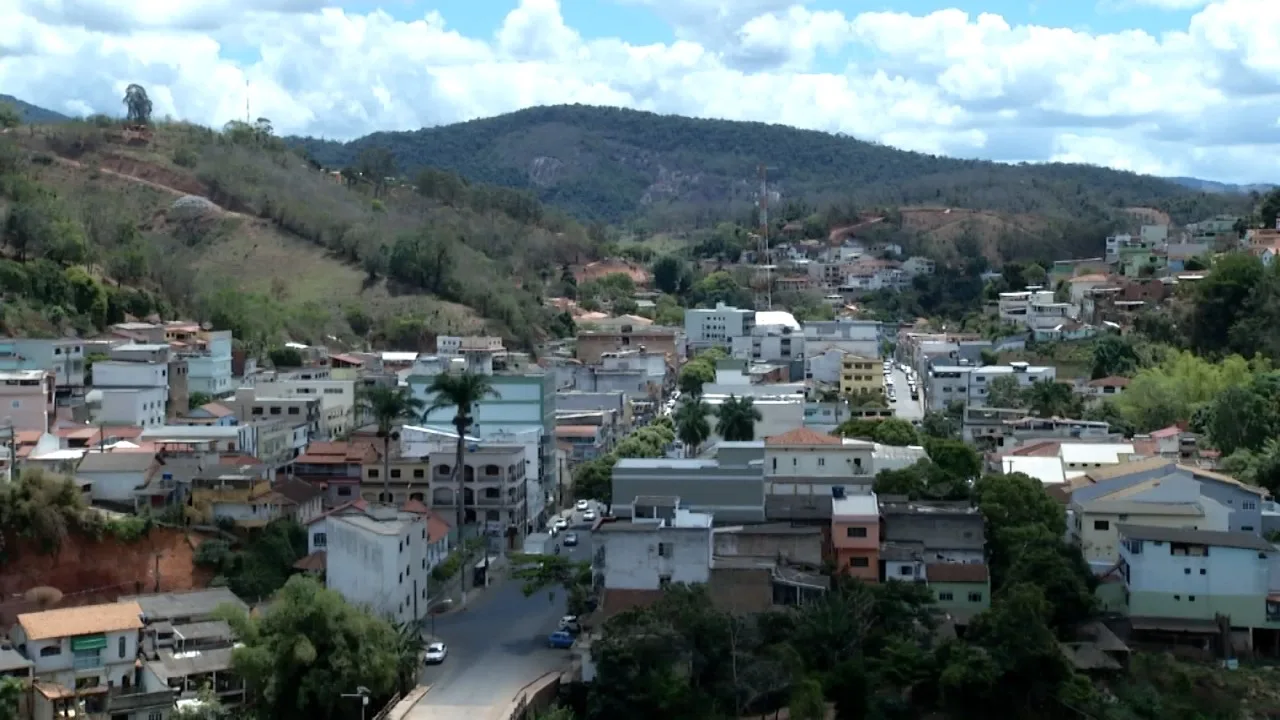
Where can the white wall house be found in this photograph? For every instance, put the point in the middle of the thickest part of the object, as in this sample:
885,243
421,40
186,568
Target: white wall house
26,399
970,384
130,374
660,545
717,326
143,406
241,439
379,560
64,357
337,399
209,372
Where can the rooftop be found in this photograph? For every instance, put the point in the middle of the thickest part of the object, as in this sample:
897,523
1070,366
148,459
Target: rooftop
19,375
175,605
1095,453
1243,541
856,506
956,572
183,664
666,464
393,523
191,432
801,436
84,620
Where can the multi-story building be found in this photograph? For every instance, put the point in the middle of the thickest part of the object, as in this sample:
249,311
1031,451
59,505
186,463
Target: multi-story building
804,470
662,543
338,466
938,532
858,337
337,400
454,346
208,357
142,407
970,384
717,326
855,535
730,488
591,344
962,590
64,357
219,439
997,428
378,558
27,399
85,662
249,404
860,378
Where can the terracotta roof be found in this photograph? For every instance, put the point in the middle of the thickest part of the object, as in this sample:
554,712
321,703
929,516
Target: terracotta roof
576,431
1042,448
956,572
314,562
437,527
416,507
1110,381
217,410
84,620
357,505
298,491
1092,277
349,359
1171,431
802,436
336,453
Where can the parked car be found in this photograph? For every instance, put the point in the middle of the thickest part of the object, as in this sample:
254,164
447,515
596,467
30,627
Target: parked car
560,639
570,539
582,505
435,654
569,624
560,524
589,515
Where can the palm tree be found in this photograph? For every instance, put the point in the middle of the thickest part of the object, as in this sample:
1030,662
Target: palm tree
409,649
691,423
737,419
387,406
462,391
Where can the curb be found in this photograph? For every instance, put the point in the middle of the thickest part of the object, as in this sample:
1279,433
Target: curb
408,702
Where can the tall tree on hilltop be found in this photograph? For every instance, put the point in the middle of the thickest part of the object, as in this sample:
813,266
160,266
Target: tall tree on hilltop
138,104
461,391
388,406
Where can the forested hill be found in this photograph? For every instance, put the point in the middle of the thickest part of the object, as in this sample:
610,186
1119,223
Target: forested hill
32,113
612,164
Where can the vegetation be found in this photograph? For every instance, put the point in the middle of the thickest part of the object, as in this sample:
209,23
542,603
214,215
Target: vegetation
549,572
388,406
612,164
736,419
593,479
264,563
309,648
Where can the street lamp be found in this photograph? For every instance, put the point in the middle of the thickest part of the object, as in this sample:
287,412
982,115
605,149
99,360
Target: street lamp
361,692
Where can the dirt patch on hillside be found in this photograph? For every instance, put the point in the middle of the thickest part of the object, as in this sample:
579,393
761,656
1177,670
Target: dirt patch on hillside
88,571
1149,216
946,225
152,173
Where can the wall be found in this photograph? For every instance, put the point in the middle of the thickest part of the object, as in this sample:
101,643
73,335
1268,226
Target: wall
144,407
819,461
632,560
113,666
26,406
851,551
382,571
960,601
116,487
118,373
729,494
1099,539
1231,581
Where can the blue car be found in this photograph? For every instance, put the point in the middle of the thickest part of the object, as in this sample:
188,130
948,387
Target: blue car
560,640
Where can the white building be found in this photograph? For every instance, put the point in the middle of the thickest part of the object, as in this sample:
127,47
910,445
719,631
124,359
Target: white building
970,384
131,374
337,399
661,544
27,399
708,327
209,370
858,337
64,357
918,265
143,407
776,337
379,560
1034,309
454,345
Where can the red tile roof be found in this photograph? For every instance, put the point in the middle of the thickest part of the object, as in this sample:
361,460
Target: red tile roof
956,572
1110,381
217,410
315,562
802,436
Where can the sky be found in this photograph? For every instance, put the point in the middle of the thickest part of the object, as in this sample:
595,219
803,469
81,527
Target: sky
1165,87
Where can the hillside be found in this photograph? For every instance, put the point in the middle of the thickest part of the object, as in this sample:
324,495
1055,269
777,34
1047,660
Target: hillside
613,164
32,113
1210,186
238,230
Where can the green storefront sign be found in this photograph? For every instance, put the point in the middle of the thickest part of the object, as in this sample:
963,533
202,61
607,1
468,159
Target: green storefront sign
88,642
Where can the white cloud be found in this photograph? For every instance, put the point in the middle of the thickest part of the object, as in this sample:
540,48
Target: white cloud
1199,101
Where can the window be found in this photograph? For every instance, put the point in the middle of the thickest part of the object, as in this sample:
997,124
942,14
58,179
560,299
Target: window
123,647
1249,505
156,715
1101,525
293,411
50,650
275,410
1246,528
344,491
975,597
822,462
859,562
945,597
395,472
373,472
406,571
855,532
665,550
1202,571
1191,598
664,581
319,540
906,570
418,473
400,578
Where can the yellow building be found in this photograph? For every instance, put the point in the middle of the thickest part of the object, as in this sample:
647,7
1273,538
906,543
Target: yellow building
860,377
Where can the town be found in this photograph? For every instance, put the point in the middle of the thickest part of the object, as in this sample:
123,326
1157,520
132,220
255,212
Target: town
173,501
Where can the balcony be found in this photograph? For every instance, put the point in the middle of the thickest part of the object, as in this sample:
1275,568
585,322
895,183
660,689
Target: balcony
134,699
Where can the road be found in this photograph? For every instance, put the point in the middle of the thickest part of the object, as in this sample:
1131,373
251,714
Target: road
497,645
904,407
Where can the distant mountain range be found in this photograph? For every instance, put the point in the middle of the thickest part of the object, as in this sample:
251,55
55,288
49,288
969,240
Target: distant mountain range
33,113
1211,186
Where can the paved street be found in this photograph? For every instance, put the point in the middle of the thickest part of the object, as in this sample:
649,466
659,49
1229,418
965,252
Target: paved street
905,407
497,645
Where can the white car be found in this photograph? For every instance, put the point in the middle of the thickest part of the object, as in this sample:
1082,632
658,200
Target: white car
589,515
582,505
435,653
560,524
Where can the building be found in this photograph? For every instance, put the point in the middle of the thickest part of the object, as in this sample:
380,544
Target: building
855,535
379,559
730,488
238,439
1094,523
662,543
208,357
1003,428
141,407
971,384
64,357
1034,309
337,467
84,662
591,344
962,590
941,532
705,327
337,398
804,470
858,337
1185,579
860,377
27,399
251,405
453,345
116,476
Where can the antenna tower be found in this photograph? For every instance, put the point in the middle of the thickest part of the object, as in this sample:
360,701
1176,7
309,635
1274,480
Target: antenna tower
764,254
246,101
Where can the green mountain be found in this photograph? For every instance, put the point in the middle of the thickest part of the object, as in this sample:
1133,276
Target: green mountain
612,164
33,114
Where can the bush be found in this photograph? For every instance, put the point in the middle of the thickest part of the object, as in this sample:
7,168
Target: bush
185,157
213,554
129,529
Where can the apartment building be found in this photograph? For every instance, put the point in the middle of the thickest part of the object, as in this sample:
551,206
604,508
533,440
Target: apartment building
970,384
379,559
804,471
709,327
660,544
860,377
337,400
64,357
591,344
27,399
855,535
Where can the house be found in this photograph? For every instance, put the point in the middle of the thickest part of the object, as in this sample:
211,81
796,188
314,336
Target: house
28,399
970,384
335,467
946,532
379,558
186,647
708,327
222,439
294,499
662,543
1154,479
860,377
64,357
855,535
213,413
962,590
591,344
1184,580
115,476
732,492
805,470
1106,387
439,534
85,662
336,397
1094,523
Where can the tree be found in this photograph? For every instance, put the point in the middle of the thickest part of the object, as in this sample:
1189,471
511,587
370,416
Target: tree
137,104
540,572
737,418
670,275
894,431
388,406
1049,398
409,648
311,647
1245,416
938,425
1017,510
594,480
1114,355
1172,391
1222,298
807,702
376,165
1005,392
691,423
957,460
9,116
461,391
695,374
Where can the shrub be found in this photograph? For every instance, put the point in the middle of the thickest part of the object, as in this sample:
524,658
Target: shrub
213,554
